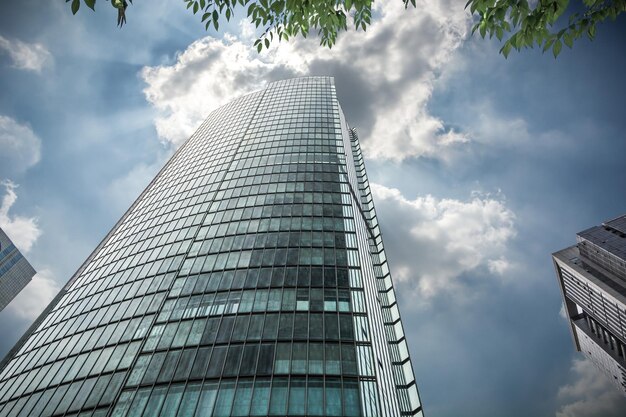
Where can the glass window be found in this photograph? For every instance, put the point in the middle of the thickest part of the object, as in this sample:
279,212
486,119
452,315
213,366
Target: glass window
167,371
113,388
200,363
81,396
316,358
347,329
301,326
270,329
243,397
152,370
282,359
348,359
315,397
249,360
297,397
256,327
217,362
261,399
331,327
285,327
207,399
156,401
231,367
333,397
210,331
97,391
190,399
139,403
123,404
224,401
278,403
266,359
184,365
226,328
240,329
299,358
172,401
168,336
196,332
181,334
138,370
351,398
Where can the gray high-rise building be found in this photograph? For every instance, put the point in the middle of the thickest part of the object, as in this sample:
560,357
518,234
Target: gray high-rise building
248,279
592,278
15,271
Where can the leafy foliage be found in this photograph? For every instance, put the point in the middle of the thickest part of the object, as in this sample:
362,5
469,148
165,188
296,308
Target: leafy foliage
534,25
524,25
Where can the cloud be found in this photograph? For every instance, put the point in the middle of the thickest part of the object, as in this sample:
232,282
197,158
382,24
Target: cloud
31,301
23,231
124,190
20,147
591,394
26,56
208,74
390,72
436,242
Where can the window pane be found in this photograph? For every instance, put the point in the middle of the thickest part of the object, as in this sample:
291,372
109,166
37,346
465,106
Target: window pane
188,405
242,398
315,397
207,399
297,397
170,407
333,397
261,397
155,402
278,403
224,400
217,362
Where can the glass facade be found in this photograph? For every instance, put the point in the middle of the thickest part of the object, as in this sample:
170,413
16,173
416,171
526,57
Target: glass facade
15,271
248,279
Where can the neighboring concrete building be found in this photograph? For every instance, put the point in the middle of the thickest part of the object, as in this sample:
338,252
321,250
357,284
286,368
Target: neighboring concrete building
15,271
248,279
592,277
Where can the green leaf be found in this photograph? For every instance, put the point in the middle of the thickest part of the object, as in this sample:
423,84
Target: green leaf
506,49
548,44
569,40
556,49
91,4
75,6
591,31
196,6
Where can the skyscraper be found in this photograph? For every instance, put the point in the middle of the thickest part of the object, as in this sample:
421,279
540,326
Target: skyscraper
592,278
249,278
15,271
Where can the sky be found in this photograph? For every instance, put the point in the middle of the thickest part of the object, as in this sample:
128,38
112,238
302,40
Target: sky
481,167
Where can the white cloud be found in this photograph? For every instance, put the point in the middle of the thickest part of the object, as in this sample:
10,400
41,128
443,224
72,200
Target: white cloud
434,242
393,66
208,74
591,394
26,56
20,148
23,231
125,189
31,301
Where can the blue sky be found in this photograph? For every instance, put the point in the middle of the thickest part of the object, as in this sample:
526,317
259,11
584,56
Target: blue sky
481,168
